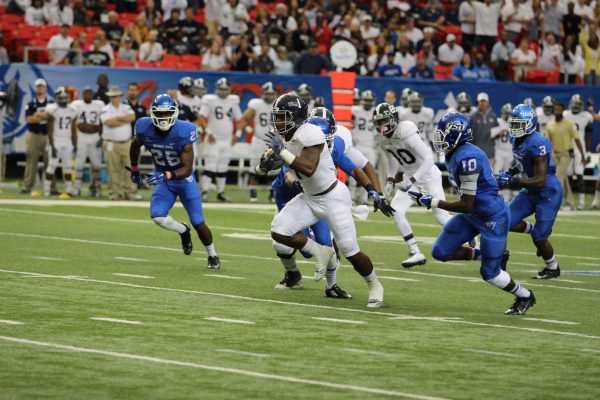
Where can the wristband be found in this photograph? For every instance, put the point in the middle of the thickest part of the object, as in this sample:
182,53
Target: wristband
259,170
238,133
134,168
287,157
435,202
369,187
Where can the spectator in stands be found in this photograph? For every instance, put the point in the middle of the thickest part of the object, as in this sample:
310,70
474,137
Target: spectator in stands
61,14
390,68
34,15
584,11
234,18
403,57
428,36
48,5
484,71
239,52
212,15
263,64
140,31
285,21
376,60
100,15
102,82
4,59
451,14
516,15
283,66
126,50
466,16
97,56
311,61
189,26
367,30
168,5
179,45
534,28
103,45
82,36
17,7
214,58
465,70
432,15
113,30
589,45
151,51
450,53
571,61
75,57
421,70
523,59
486,23
303,36
59,44
80,15
482,123
549,53
390,97
151,13
501,55
553,15
415,35
170,27
571,22
127,6
427,50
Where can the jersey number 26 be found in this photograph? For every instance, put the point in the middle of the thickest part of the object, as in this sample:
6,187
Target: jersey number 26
166,158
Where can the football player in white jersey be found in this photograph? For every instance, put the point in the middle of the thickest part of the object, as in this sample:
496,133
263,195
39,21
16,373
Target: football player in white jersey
545,114
363,138
259,112
583,121
186,96
199,88
89,141
306,94
422,116
410,165
403,107
302,147
463,105
503,153
62,138
356,98
217,115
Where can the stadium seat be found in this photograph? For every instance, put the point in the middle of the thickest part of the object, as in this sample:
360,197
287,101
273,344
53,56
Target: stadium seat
447,29
553,77
442,72
172,58
168,64
123,63
188,66
145,64
536,76
2,10
12,19
191,59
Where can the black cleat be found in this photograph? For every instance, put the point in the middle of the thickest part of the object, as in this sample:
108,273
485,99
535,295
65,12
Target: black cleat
253,196
521,305
222,198
25,191
337,292
547,273
504,261
54,192
186,240
290,280
213,262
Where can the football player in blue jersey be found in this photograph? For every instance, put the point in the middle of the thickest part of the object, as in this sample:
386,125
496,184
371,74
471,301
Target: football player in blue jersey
171,141
287,186
480,210
541,193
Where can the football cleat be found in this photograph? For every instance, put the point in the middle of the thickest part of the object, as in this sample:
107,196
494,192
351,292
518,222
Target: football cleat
222,198
213,262
186,240
375,294
337,292
290,280
325,255
504,261
547,273
64,196
253,196
521,305
594,205
204,197
472,243
25,191
414,258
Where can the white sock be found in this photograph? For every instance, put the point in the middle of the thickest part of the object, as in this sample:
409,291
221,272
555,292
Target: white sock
169,224
289,263
77,184
221,184
529,227
210,249
331,276
371,277
412,244
501,281
205,182
551,263
69,186
309,246
47,185
582,199
597,197
520,291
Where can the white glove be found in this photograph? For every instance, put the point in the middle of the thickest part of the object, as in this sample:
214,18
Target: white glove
405,185
389,188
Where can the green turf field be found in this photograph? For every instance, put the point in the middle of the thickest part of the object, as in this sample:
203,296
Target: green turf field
192,333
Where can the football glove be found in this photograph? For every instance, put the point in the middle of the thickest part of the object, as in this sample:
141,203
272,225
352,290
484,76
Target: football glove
405,185
298,185
273,140
99,143
423,199
53,152
154,178
134,174
269,161
504,178
380,203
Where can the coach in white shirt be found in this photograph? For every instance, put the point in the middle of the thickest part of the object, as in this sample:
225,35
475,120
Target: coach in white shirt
116,119
450,53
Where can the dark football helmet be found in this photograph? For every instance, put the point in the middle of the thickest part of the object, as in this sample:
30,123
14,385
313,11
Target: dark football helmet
548,105
61,96
288,113
269,93
323,112
385,119
185,85
415,102
463,102
223,87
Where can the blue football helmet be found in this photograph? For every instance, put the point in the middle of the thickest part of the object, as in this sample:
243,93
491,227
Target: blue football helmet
522,120
325,127
326,114
164,112
453,130
288,113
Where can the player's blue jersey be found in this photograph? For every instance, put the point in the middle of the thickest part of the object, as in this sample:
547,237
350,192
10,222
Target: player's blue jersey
469,159
165,150
339,158
532,146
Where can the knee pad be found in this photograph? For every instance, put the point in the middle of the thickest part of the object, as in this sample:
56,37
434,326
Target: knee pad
210,174
440,253
221,174
278,226
541,230
160,221
283,250
490,268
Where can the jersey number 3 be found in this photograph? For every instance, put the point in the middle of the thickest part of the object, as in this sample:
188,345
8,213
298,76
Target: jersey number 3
168,158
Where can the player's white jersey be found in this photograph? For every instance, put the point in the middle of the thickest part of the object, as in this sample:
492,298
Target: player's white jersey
193,102
308,135
310,106
501,141
89,112
424,121
543,119
64,117
401,111
262,116
407,153
581,120
220,114
362,129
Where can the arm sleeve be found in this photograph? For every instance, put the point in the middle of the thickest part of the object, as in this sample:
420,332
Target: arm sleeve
204,109
423,152
468,183
357,157
345,164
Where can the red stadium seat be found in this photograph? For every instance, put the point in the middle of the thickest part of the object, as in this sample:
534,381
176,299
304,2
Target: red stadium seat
12,19
191,59
442,72
25,33
168,65
536,76
145,64
553,77
2,10
172,58
188,66
123,63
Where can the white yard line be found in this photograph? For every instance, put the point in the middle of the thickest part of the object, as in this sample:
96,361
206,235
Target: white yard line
368,352
46,258
410,317
491,353
116,320
589,264
230,321
216,368
590,350
223,276
340,321
306,305
244,353
395,278
10,322
135,276
551,321
131,259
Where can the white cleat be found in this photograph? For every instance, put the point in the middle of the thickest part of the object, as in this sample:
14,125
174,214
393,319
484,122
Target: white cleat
416,258
594,206
375,294
325,255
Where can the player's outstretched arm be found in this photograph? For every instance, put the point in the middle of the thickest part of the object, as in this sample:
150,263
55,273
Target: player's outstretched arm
463,205
308,161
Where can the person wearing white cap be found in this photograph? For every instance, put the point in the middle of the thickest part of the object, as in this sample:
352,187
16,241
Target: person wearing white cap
450,53
116,119
37,138
483,121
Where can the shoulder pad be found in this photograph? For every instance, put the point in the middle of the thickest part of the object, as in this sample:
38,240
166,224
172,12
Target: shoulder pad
406,129
234,97
141,125
345,134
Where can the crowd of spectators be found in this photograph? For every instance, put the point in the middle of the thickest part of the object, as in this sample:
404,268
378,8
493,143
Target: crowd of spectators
471,40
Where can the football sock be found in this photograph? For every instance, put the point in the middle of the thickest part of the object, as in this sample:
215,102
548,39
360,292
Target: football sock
331,276
289,263
210,249
371,277
528,227
551,263
501,281
47,184
221,184
520,291
77,184
205,183
597,197
582,199
473,254
169,224
69,186
309,246
412,243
